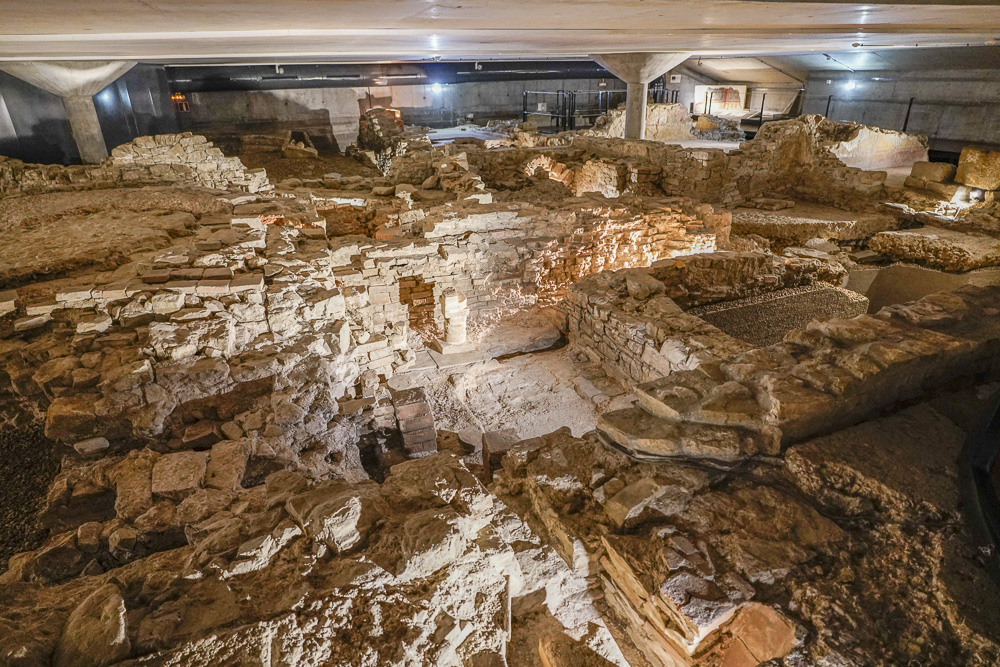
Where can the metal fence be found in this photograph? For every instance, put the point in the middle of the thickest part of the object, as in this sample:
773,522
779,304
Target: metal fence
569,109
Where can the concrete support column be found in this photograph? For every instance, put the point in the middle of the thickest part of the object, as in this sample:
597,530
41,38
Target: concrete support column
86,128
76,83
637,70
636,95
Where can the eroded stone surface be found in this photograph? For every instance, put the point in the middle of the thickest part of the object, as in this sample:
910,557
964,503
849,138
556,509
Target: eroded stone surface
939,248
242,481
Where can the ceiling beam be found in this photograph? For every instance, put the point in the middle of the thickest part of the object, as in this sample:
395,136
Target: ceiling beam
788,70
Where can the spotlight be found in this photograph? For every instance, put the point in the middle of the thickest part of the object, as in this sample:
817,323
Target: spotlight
436,88
850,85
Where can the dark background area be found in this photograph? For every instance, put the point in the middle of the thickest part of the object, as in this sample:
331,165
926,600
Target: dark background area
34,126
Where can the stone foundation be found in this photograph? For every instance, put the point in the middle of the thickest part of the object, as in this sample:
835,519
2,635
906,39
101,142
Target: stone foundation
164,158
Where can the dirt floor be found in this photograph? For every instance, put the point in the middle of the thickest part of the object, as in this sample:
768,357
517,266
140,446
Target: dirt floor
530,394
279,168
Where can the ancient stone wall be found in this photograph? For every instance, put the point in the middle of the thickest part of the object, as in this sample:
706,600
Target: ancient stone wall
793,157
632,322
505,257
873,148
154,160
664,122
790,157
826,376
700,174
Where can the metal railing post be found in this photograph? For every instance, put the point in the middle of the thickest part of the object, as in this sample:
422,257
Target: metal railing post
909,107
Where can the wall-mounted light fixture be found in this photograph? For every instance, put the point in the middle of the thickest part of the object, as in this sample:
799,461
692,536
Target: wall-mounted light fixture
436,88
180,102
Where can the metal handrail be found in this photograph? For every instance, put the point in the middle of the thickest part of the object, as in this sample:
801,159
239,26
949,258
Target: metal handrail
980,503
567,110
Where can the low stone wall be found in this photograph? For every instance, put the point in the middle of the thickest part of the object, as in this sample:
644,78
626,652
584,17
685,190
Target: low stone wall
873,148
790,157
631,322
635,340
154,160
664,122
724,276
506,257
820,378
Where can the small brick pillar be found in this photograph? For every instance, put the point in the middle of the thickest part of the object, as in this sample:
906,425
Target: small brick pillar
416,422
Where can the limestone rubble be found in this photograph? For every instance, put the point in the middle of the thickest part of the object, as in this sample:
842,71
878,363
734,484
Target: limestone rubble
518,403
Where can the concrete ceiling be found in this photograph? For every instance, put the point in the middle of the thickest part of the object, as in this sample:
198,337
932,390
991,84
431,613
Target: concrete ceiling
752,69
175,31
792,69
961,58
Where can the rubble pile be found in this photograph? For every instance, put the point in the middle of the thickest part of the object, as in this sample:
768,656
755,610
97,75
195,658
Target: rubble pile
664,122
163,158
773,562
717,128
351,420
382,138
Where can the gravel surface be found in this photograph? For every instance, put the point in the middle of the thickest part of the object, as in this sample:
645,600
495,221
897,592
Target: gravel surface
764,319
28,464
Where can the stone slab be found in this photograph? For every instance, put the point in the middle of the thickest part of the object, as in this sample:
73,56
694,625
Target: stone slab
938,248
444,361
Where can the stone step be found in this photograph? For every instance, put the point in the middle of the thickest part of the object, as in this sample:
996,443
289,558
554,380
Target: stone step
938,248
650,437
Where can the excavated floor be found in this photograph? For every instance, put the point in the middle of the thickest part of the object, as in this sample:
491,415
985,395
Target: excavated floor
272,358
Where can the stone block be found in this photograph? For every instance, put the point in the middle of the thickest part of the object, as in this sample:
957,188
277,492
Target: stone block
32,322
937,172
176,476
71,418
91,446
945,190
8,301
212,288
495,445
247,282
979,168
75,293
98,323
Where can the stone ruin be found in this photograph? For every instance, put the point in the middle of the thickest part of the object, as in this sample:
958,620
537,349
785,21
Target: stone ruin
555,399
383,137
160,159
